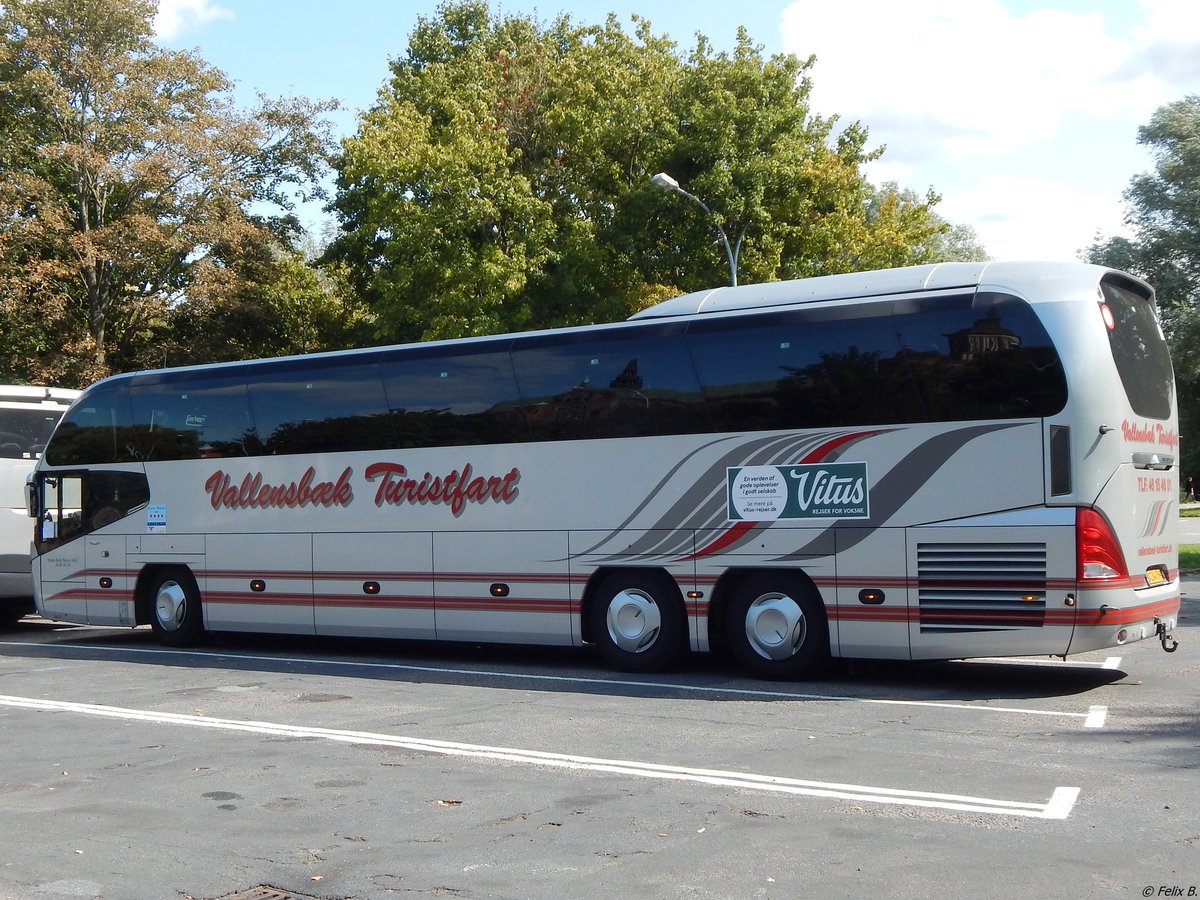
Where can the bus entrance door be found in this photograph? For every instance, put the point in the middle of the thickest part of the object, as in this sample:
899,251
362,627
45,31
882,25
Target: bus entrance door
59,569
991,591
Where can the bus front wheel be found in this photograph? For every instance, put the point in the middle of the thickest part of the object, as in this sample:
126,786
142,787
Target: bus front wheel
776,627
638,621
175,613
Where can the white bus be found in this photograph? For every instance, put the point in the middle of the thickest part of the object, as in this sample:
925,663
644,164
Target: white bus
27,416
936,462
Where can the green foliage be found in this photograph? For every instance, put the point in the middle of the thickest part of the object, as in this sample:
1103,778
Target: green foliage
127,179
502,180
273,303
943,242
1189,557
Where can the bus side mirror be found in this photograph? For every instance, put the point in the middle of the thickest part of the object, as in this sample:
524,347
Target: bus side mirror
31,499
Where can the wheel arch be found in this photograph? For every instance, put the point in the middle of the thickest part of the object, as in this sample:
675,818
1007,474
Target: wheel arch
143,600
726,587
597,578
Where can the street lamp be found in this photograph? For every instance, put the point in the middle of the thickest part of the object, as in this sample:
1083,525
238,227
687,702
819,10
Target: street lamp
667,183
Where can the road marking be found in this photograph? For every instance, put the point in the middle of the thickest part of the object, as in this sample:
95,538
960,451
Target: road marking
1096,717
1111,663
570,679
1059,806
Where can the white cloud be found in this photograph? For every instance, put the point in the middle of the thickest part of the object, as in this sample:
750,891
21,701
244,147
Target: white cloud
968,73
176,16
1024,121
1167,44
1026,217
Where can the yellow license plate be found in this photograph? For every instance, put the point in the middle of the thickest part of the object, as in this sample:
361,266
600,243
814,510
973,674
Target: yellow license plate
1155,576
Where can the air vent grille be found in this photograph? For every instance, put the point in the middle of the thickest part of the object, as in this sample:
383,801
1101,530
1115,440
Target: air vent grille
981,587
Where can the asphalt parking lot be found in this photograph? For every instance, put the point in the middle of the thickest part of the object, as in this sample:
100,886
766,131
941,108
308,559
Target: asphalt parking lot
360,769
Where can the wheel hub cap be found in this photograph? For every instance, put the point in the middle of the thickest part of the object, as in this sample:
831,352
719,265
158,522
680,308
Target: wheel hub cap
775,626
634,620
170,604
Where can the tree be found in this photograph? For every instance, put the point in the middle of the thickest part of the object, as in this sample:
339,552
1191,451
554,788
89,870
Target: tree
948,243
502,180
272,303
125,174
1164,213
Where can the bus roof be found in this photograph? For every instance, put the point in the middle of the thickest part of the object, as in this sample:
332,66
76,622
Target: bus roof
1027,279
1031,280
25,393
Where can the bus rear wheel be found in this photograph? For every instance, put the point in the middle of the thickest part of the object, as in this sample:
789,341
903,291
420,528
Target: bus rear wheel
638,621
776,627
175,613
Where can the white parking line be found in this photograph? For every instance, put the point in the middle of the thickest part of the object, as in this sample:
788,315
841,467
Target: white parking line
1088,718
1059,806
1111,662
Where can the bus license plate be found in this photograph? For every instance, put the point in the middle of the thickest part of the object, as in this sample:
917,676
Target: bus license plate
1155,577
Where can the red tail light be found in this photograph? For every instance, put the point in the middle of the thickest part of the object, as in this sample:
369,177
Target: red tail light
1097,549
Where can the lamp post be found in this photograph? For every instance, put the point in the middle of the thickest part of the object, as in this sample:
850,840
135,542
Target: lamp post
667,183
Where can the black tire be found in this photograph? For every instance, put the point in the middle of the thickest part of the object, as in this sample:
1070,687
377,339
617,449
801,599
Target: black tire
638,621
776,627
175,613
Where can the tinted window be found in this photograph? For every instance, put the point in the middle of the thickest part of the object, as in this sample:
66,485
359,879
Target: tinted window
24,431
109,496
619,383
981,357
468,397
98,429
926,359
799,369
322,409
198,418
80,503
1139,350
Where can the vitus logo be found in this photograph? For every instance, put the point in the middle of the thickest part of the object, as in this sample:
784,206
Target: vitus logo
822,491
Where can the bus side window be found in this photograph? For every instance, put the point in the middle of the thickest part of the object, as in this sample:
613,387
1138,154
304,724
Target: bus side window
110,496
62,508
624,383
980,357
457,400
803,369
204,420
323,410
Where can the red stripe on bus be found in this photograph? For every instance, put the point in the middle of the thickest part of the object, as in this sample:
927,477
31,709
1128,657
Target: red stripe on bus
736,533
829,446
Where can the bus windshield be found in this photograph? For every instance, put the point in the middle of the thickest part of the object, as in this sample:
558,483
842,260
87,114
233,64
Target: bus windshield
24,432
1139,351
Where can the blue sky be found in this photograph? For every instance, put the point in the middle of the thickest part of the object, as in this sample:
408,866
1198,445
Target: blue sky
1022,114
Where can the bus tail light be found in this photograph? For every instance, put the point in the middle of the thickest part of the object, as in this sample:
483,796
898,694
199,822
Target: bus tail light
1107,315
1097,548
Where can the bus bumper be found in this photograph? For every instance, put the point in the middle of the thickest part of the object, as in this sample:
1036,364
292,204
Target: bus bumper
1108,625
